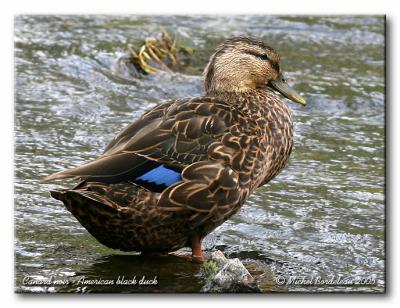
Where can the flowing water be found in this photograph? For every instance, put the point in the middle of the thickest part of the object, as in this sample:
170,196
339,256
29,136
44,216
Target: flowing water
323,216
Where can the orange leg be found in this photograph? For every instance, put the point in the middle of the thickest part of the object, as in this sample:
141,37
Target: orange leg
197,253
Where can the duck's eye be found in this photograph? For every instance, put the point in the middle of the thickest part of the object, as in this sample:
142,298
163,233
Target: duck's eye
262,56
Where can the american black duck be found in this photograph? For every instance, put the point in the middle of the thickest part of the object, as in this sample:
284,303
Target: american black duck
187,165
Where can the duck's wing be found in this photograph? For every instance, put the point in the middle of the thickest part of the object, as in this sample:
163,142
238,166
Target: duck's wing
128,132
175,134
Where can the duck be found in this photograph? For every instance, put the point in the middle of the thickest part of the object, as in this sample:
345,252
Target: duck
187,165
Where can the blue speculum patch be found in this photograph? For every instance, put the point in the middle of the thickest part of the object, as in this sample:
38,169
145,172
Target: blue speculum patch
161,176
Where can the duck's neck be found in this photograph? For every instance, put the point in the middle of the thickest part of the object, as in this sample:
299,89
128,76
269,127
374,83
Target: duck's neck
255,102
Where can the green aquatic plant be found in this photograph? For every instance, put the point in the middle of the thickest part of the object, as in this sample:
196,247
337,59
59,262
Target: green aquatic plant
164,53
210,267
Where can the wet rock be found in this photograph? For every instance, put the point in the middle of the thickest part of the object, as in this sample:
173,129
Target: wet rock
227,276
124,67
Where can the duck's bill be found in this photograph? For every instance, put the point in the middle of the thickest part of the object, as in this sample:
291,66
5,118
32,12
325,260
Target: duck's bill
282,87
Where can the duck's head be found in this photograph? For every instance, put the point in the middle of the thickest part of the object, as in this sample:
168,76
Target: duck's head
242,65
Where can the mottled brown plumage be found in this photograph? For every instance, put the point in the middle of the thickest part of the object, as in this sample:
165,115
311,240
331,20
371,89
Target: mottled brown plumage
224,146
